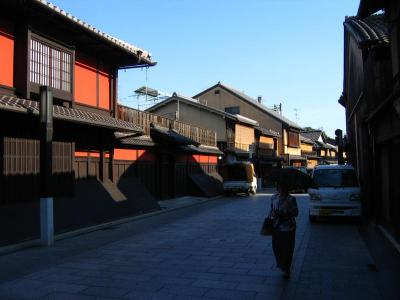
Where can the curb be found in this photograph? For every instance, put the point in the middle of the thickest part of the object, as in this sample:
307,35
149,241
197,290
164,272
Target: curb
389,237
36,242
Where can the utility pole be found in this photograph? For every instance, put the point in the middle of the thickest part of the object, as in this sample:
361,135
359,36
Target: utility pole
46,167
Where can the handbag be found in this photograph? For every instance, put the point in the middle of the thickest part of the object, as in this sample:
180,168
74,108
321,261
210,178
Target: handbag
267,227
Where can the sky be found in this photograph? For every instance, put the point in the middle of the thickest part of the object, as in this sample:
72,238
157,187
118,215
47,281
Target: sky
287,51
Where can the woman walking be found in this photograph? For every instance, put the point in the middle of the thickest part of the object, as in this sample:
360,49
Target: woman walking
283,212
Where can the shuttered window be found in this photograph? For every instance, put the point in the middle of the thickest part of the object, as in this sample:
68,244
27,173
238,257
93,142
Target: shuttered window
50,66
293,138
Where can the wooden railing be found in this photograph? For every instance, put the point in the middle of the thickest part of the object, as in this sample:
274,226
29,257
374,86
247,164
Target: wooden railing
143,120
266,152
238,147
309,153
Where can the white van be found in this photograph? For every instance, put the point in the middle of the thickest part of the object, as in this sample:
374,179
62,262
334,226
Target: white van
337,192
239,177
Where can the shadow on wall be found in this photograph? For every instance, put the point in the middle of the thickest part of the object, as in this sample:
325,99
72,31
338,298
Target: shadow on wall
82,199
90,204
197,175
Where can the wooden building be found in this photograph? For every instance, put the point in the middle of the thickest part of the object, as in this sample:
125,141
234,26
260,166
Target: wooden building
239,137
231,100
180,166
308,152
102,169
371,93
324,149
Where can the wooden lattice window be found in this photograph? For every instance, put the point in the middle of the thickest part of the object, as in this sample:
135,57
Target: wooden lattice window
50,66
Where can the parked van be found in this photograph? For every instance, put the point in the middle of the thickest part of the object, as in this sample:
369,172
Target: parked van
239,177
337,192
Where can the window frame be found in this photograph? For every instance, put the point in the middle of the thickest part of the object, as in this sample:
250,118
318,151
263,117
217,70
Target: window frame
35,87
231,108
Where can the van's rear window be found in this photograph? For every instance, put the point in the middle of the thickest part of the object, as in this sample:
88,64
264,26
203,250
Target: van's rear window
335,178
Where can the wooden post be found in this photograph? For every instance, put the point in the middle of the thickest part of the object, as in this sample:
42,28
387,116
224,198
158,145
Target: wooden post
111,165
46,167
339,143
102,165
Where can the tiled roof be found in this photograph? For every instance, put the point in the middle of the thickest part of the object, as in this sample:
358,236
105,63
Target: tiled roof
187,100
312,135
147,141
368,7
306,139
13,104
168,136
202,149
144,140
254,102
267,131
372,30
246,120
196,103
331,141
326,146
143,55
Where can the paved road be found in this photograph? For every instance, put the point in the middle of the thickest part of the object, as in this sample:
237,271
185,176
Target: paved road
208,251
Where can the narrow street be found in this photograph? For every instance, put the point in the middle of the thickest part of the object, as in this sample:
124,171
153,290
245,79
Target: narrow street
207,251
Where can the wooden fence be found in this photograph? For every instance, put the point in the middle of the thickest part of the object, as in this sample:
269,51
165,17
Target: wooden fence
143,120
20,166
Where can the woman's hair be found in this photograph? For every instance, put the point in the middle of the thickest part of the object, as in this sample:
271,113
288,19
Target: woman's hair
283,185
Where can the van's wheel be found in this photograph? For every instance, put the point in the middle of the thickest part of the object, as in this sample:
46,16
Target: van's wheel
312,218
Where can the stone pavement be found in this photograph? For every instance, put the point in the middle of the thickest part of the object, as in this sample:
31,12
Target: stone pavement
182,202
208,251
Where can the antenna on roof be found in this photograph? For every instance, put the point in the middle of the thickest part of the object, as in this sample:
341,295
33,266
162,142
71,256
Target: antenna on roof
147,96
278,108
296,114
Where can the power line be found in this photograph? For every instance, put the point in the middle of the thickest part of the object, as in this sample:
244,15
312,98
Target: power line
296,114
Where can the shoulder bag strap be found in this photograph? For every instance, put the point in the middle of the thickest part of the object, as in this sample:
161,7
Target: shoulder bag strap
272,207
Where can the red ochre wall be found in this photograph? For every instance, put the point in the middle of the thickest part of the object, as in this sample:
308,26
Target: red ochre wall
197,158
122,154
92,82
133,155
6,54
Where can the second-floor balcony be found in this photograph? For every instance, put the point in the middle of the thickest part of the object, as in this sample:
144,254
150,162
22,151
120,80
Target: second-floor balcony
238,147
253,148
144,119
266,150
262,152
309,153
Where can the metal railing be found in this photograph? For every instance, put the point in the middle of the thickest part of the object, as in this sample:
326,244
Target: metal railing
143,120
